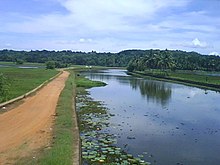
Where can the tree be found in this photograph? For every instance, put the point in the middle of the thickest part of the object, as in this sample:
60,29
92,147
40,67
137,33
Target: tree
50,64
4,88
131,66
19,61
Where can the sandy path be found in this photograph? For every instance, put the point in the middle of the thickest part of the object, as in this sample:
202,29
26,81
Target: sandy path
28,126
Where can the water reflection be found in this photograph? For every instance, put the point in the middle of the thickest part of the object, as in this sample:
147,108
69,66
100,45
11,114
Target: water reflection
185,131
156,91
152,90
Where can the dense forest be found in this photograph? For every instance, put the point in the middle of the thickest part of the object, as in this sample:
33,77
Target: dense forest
174,60
134,59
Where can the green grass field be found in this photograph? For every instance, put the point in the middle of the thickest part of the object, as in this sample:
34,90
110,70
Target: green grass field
13,64
23,80
203,79
196,77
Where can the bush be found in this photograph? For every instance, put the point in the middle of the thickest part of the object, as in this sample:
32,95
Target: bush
19,61
50,65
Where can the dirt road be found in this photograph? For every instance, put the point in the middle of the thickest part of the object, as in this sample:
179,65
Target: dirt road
29,126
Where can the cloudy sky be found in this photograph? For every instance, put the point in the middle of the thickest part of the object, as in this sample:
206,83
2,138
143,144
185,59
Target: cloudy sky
110,25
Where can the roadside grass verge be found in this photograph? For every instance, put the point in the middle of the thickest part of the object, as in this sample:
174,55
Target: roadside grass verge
22,81
62,148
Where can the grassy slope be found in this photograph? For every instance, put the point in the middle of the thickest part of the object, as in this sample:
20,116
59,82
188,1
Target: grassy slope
211,82
24,80
197,78
62,149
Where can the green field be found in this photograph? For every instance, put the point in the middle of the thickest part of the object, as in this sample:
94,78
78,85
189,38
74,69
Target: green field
200,79
28,64
196,77
23,80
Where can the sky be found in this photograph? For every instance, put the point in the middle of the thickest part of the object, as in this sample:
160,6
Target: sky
110,25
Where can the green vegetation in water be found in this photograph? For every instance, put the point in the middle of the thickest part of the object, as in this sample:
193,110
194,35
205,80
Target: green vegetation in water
62,149
22,81
86,83
98,147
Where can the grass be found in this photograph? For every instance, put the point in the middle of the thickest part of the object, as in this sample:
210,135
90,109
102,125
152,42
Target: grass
86,83
22,81
25,64
196,77
192,78
62,149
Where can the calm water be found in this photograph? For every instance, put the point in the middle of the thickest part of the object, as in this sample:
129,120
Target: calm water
168,123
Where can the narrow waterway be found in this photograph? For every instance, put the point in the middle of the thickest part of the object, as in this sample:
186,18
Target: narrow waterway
165,123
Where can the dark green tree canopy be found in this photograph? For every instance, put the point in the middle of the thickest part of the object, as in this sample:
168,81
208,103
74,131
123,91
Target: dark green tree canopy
163,59
50,64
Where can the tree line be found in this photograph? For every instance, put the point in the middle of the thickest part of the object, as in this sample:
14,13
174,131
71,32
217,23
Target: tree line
174,60
134,59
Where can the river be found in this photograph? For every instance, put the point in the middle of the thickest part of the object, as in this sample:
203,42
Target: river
167,123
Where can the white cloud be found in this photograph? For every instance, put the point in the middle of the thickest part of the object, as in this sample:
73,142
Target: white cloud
214,53
197,43
115,14
85,40
112,25
95,15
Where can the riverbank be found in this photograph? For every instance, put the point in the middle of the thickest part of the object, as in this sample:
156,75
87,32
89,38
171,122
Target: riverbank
202,81
98,146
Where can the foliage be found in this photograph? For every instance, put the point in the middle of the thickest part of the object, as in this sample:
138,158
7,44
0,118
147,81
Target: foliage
131,66
160,60
19,61
55,64
4,88
173,60
60,65
50,65
181,60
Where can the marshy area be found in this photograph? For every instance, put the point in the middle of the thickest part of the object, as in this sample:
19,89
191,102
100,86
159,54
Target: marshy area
98,145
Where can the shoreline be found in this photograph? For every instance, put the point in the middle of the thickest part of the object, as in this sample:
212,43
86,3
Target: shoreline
206,86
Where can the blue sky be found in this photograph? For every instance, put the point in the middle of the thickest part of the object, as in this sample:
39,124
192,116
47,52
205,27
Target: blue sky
110,25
